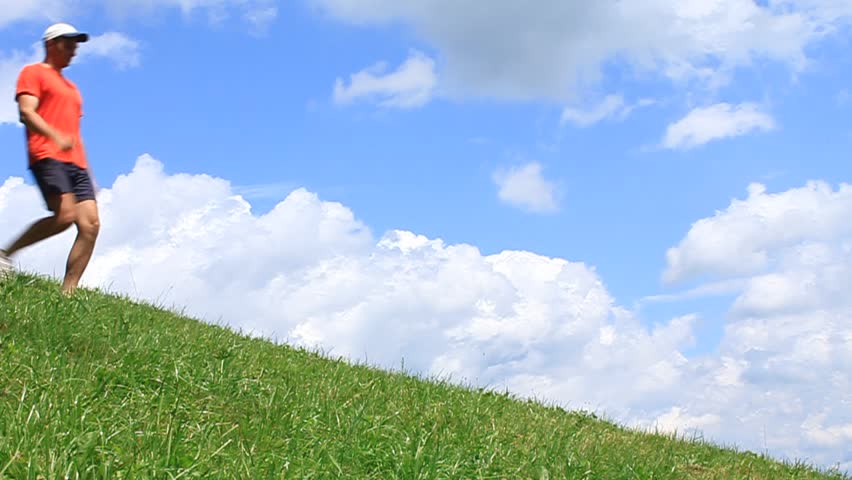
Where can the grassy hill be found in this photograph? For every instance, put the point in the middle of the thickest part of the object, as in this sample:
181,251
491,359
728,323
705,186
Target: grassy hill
97,386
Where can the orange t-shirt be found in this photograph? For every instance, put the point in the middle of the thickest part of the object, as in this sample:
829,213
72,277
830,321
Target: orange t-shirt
60,105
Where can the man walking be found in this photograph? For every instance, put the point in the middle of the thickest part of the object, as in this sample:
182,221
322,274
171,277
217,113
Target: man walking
50,107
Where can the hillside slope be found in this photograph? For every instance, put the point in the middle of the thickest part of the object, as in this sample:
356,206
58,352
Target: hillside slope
97,386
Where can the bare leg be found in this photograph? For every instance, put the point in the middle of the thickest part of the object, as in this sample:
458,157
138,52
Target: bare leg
88,226
64,214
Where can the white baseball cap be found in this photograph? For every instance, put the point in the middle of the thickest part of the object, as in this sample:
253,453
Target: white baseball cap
64,30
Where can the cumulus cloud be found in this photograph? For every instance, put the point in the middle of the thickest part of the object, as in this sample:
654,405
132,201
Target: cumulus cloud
548,49
612,106
411,85
749,237
310,273
788,328
722,120
526,188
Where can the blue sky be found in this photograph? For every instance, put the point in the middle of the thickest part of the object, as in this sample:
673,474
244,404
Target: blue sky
608,135
257,109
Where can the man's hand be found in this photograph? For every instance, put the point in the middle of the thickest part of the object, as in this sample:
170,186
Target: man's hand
64,142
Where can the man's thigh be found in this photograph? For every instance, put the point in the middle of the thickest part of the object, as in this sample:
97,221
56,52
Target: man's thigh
63,205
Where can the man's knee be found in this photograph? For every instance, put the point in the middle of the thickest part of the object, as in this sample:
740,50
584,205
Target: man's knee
89,227
88,222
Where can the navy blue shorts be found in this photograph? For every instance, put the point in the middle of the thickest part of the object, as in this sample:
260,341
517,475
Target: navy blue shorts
55,177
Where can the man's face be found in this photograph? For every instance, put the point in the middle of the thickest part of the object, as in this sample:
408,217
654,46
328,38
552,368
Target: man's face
65,49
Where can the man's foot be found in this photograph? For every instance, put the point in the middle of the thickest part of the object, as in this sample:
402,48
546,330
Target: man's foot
6,267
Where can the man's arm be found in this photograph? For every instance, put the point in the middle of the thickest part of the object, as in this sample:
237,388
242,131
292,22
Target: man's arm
27,105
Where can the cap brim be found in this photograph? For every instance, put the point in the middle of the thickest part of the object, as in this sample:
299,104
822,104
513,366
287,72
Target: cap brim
80,37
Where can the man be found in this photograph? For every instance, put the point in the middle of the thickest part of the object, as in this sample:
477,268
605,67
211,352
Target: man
50,107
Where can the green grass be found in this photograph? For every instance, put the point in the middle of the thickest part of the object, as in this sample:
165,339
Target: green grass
96,386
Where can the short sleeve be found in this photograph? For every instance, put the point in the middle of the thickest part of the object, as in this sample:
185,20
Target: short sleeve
29,82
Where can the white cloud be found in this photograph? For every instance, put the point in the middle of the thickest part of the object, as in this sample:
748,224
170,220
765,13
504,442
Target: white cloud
411,85
119,48
788,335
677,421
723,287
745,239
46,10
612,106
722,120
272,191
551,48
525,187
262,17
310,272
834,435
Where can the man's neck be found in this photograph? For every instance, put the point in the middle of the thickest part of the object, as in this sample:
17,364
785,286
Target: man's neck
52,64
